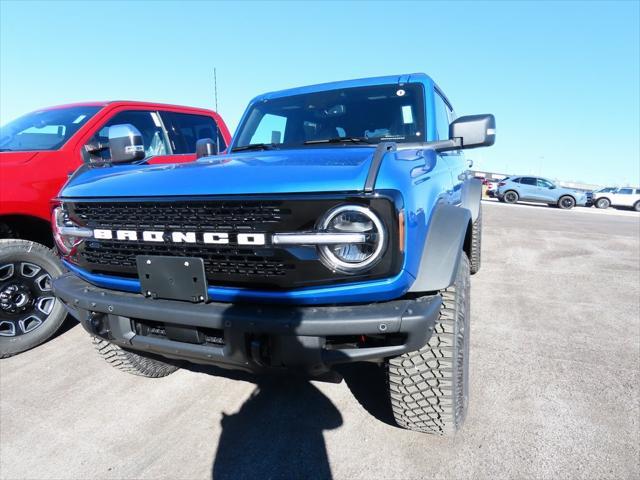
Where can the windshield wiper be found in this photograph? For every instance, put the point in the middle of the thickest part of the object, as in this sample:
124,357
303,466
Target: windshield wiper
6,150
360,140
255,146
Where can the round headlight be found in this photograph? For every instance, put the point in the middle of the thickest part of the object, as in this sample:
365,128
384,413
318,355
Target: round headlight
353,257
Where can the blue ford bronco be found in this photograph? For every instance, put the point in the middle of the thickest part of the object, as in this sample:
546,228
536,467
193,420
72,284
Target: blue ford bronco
341,225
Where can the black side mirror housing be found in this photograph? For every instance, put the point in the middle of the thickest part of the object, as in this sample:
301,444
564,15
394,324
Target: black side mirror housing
125,143
206,147
474,131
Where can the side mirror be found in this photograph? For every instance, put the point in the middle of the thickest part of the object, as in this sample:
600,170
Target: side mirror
474,130
125,143
552,187
205,147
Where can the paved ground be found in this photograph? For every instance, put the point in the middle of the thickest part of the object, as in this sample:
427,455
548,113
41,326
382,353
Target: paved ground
555,386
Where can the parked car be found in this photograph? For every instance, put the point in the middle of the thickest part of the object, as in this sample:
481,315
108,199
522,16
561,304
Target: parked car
492,187
38,153
536,189
343,226
620,197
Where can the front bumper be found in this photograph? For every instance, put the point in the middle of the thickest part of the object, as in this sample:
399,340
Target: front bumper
249,336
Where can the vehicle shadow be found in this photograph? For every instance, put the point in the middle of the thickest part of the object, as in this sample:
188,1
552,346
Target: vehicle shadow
68,324
278,431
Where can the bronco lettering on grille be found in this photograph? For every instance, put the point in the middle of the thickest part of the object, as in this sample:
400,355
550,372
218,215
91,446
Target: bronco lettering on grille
217,238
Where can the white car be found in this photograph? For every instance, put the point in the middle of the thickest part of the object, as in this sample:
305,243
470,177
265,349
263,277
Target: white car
620,197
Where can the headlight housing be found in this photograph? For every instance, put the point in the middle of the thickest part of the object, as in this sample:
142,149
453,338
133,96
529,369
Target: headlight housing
66,233
353,257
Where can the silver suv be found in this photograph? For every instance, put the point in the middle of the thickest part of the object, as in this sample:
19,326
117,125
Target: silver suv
536,189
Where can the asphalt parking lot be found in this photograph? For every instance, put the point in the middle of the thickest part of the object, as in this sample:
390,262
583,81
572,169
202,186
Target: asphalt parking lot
555,385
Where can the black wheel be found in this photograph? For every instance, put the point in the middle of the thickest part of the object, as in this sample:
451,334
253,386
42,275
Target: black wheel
566,202
511,196
29,311
603,203
429,388
636,206
476,243
127,361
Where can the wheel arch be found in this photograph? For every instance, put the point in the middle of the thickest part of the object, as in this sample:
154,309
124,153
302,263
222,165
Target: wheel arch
471,196
568,195
26,227
449,235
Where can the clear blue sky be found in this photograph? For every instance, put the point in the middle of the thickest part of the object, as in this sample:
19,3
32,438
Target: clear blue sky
562,78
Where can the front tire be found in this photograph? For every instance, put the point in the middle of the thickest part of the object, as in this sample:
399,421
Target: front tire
511,196
603,203
130,362
429,388
29,312
636,206
566,202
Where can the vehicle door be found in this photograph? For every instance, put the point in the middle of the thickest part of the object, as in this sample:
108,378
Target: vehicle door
529,189
453,159
185,129
546,190
623,197
156,143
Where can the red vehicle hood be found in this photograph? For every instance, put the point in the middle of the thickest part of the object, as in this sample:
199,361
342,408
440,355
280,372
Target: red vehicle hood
15,158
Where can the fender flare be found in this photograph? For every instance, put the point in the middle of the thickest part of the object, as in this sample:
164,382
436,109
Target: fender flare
471,195
442,248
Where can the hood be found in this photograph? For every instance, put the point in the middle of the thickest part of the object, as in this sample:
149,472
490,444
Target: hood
16,158
313,169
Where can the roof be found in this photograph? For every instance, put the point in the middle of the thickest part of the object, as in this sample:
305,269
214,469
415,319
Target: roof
131,103
360,82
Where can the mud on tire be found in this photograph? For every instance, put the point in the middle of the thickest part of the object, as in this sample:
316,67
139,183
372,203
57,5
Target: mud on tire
132,362
429,388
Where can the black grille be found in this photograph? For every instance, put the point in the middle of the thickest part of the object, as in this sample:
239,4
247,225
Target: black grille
232,216
216,260
261,266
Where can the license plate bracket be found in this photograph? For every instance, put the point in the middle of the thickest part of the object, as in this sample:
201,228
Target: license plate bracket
172,278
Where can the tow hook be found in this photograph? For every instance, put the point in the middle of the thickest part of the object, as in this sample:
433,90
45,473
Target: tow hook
257,353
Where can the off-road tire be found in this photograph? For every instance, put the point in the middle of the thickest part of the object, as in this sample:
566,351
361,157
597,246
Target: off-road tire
476,244
130,362
603,203
511,196
566,202
429,388
14,251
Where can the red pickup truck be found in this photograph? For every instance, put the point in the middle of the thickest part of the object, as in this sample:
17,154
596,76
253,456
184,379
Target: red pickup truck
38,152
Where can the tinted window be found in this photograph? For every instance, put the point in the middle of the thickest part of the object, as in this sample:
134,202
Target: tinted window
442,117
186,129
149,125
373,113
44,130
625,191
528,181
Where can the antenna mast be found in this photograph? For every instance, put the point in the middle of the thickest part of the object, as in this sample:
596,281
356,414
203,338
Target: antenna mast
215,88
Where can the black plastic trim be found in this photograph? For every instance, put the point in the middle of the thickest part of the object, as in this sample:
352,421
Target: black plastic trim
415,318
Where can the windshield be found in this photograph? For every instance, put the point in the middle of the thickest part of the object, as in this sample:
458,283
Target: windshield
45,129
356,115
